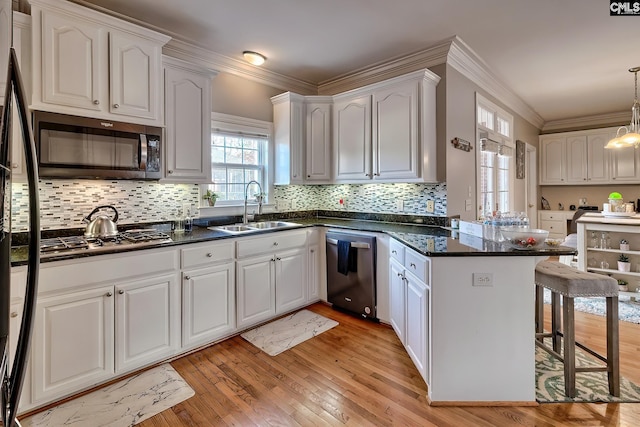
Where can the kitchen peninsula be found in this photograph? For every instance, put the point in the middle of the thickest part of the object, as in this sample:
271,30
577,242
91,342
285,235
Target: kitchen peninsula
464,311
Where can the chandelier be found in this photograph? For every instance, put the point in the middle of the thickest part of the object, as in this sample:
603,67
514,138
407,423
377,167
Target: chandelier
631,135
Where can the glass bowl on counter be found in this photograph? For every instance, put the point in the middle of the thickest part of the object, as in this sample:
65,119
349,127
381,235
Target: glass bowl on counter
524,238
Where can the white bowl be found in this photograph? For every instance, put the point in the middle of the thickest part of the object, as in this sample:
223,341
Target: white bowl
524,238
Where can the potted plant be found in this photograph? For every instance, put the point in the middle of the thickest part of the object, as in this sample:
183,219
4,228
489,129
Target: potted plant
623,285
623,263
624,245
210,197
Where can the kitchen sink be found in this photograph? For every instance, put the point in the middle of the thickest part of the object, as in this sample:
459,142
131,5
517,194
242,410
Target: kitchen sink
252,227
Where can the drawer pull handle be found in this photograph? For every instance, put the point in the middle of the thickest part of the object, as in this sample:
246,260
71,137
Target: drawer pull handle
14,314
209,255
121,292
109,294
412,265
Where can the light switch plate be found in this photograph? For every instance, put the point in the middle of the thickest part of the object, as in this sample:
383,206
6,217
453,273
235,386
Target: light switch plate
430,206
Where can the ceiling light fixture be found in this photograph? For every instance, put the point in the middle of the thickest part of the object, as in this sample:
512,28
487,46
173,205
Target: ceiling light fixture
631,137
254,57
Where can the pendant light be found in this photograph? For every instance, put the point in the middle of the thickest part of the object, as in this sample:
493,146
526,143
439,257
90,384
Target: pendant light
631,137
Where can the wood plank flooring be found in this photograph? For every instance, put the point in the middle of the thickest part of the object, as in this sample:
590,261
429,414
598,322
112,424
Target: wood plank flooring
358,374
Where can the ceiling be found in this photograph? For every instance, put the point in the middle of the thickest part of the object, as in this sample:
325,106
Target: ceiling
565,59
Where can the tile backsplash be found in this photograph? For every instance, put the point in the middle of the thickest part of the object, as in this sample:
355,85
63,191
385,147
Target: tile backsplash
64,203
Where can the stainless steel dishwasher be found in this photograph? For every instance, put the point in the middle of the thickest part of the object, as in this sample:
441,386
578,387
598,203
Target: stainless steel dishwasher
351,273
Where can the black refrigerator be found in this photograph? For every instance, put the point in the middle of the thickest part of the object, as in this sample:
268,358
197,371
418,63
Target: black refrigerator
13,378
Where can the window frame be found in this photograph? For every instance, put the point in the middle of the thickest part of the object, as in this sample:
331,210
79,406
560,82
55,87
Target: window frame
493,133
230,124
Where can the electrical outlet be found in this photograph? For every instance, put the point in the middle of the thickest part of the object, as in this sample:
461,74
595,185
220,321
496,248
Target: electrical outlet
400,205
482,279
430,206
467,205
431,245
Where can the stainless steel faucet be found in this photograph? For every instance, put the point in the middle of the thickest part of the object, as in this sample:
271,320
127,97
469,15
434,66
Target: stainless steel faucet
245,218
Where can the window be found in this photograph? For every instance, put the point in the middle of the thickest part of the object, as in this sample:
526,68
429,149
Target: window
495,157
239,154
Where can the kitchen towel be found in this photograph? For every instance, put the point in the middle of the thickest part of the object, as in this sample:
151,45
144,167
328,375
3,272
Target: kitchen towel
344,249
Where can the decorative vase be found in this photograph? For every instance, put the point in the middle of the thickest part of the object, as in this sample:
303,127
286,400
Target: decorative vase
211,202
624,246
624,266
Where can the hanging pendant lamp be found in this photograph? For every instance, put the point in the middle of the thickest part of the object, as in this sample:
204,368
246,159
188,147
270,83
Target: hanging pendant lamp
631,135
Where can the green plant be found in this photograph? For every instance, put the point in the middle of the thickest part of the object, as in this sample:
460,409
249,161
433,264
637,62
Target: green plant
623,258
210,195
622,282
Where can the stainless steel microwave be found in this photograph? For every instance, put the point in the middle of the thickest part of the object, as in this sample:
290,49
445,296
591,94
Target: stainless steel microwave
80,147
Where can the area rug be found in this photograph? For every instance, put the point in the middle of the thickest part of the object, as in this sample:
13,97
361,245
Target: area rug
289,331
628,310
125,403
590,386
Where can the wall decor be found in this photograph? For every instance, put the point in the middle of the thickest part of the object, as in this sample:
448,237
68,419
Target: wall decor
520,153
461,144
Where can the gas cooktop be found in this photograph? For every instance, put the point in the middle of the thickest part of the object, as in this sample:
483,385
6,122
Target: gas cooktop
126,239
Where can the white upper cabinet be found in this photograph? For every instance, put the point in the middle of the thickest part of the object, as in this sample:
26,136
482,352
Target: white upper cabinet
318,142
579,158
625,165
87,63
288,120
187,93
352,138
5,44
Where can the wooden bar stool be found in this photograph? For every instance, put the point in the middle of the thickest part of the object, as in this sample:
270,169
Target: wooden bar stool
570,283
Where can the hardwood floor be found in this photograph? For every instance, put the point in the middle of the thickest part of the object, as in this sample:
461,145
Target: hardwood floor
358,374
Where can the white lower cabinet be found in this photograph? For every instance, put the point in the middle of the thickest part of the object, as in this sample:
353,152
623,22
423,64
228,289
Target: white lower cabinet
208,304
409,304
270,282
73,345
147,316
314,273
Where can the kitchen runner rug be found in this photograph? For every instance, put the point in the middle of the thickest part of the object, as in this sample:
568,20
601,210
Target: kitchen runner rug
590,386
628,310
125,403
289,331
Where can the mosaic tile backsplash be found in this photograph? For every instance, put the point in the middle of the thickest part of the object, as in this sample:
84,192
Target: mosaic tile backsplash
64,203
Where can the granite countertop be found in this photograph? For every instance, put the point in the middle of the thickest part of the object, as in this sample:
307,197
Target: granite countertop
429,240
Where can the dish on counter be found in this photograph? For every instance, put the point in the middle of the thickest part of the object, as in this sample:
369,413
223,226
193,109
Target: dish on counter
524,238
619,214
554,243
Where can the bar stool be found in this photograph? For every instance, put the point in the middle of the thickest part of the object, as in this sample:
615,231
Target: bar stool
570,283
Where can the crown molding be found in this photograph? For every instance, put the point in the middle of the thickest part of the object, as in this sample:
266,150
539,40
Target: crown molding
463,59
611,119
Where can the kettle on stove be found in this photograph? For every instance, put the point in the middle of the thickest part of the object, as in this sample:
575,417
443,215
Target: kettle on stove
102,225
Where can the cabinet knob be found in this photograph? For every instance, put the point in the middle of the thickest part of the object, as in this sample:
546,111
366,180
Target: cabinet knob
209,255
308,176
109,294
278,259
14,314
399,274
275,243
187,277
14,165
394,252
311,251
412,265
376,174
116,105
96,102
368,175
170,171
121,291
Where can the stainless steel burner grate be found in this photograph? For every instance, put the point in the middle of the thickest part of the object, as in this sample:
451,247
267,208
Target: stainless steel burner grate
63,243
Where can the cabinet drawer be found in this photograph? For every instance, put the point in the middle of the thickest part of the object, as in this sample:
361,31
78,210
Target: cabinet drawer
272,242
417,264
559,226
553,216
396,250
206,254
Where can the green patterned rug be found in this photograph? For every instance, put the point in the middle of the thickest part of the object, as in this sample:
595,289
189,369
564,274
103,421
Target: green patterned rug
590,386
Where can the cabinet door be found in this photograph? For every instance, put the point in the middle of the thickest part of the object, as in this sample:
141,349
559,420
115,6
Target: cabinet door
397,298
314,270
15,320
417,323
73,342
5,44
208,304
625,166
598,159
291,273
256,289
352,138
395,131
147,314
576,147
134,76
188,120
318,142
553,161
22,45
73,55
